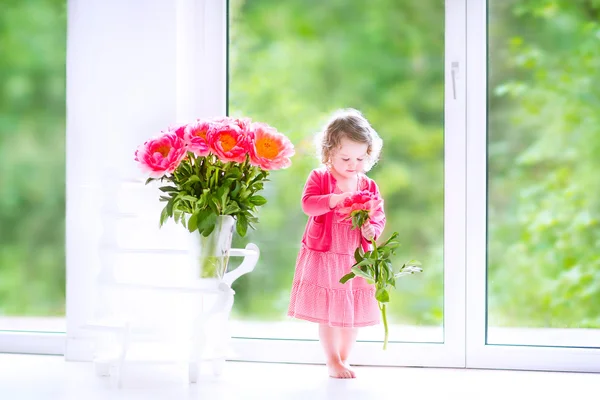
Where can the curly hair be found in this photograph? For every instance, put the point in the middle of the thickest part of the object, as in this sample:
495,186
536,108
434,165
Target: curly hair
351,124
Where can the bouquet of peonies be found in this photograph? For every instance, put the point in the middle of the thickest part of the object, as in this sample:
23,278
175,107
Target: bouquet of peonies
214,167
375,265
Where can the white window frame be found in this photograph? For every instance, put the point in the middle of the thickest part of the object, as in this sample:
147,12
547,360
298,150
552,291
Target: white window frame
20,342
450,352
480,354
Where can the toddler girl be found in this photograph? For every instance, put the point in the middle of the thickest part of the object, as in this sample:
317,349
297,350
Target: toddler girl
348,148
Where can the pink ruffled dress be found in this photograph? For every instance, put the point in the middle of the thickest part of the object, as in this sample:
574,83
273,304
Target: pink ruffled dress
318,296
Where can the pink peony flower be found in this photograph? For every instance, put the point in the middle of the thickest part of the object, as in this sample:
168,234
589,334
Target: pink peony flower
228,141
178,130
195,137
270,149
359,201
242,123
162,155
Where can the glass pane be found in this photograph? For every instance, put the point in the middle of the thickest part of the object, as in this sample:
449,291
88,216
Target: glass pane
544,209
32,165
291,64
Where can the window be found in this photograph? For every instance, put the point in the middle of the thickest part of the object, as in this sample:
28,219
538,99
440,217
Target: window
543,214
473,101
291,65
32,164
535,300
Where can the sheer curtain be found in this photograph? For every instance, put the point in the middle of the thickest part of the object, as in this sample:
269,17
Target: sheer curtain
133,69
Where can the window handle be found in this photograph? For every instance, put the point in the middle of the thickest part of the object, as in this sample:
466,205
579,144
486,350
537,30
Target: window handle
454,71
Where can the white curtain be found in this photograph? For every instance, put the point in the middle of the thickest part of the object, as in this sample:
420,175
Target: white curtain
134,68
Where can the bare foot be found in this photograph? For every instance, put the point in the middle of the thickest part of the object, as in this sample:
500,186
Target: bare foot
338,370
349,368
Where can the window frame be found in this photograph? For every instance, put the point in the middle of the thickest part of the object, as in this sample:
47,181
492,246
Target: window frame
481,354
450,352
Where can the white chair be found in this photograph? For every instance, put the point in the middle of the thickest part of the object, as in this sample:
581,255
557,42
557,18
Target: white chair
199,330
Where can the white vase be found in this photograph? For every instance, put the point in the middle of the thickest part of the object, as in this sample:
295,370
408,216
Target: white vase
209,256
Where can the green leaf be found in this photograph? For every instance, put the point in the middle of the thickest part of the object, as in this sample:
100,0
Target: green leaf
234,174
208,230
258,200
189,198
347,277
244,193
163,216
382,273
149,180
236,190
169,206
193,179
358,254
356,221
231,208
193,222
365,262
392,245
204,197
168,189
407,270
391,238
382,295
222,193
178,215
359,272
242,225
206,222
388,267
374,252
212,203
186,167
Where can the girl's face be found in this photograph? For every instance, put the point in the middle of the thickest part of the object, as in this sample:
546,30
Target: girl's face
348,160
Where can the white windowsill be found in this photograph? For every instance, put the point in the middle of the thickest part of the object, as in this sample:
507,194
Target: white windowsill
301,330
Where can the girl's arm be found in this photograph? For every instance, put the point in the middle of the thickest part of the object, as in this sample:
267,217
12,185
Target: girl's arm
313,202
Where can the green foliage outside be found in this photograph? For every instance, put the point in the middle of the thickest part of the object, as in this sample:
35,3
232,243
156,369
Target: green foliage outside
291,64
294,62
32,157
544,144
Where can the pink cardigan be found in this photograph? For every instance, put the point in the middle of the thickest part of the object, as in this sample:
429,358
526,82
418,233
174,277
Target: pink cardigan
315,203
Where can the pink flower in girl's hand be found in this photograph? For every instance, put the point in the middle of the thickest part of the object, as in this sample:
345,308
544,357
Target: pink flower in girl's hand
270,149
360,207
162,155
195,137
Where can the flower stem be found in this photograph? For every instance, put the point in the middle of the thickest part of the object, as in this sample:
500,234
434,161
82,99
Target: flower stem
385,326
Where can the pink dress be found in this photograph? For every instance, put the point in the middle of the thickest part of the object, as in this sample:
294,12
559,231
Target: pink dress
318,296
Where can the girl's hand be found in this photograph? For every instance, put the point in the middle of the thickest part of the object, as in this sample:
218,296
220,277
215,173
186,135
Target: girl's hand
368,231
336,199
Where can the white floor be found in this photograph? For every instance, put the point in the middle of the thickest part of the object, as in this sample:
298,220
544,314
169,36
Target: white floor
50,377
